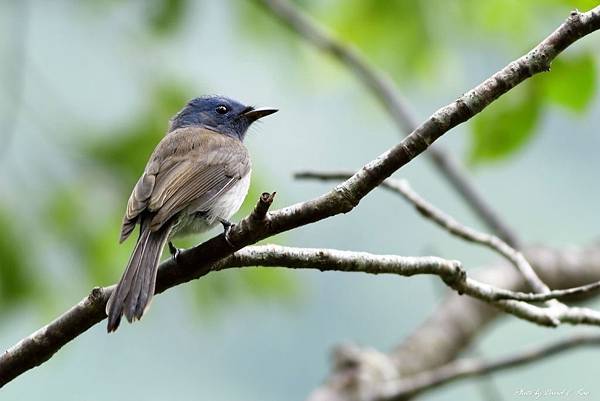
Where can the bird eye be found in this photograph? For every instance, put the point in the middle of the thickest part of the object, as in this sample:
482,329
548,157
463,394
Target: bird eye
222,109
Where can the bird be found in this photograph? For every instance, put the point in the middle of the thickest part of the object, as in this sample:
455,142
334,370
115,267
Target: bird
197,177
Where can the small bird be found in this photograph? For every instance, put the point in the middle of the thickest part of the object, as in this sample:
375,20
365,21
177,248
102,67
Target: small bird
197,177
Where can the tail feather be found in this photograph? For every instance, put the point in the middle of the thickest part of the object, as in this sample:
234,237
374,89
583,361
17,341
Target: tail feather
147,289
148,248
134,291
139,299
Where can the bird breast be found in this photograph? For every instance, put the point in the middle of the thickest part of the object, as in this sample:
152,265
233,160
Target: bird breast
230,201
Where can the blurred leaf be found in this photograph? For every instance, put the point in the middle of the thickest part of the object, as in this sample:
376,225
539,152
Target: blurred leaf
105,257
266,282
509,123
513,20
571,82
93,240
506,17
257,29
164,16
215,291
581,5
61,209
506,125
18,283
126,151
218,290
397,34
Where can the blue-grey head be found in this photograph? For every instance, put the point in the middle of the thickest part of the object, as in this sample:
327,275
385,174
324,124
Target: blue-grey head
220,114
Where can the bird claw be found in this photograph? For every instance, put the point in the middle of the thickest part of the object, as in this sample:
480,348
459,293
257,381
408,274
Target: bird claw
174,251
227,225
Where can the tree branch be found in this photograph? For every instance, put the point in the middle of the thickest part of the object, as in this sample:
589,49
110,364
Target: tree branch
358,372
450,271
373,366
383,88
469,234
42,344
44,341
453,226
465,368
196,262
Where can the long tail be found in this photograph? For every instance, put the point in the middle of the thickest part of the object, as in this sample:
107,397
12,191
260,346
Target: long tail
136,287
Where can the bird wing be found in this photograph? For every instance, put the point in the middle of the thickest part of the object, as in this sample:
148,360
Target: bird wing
190,165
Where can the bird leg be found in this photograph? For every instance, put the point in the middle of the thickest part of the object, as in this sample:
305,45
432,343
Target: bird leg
174,251
226,229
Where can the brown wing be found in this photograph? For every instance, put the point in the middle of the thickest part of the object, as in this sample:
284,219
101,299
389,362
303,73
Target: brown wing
189,165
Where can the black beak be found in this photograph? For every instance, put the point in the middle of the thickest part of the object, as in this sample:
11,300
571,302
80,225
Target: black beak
255,114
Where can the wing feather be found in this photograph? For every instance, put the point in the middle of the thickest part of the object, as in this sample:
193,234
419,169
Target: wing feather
189,167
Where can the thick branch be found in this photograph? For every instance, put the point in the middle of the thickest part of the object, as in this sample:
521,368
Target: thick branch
196,262
383,88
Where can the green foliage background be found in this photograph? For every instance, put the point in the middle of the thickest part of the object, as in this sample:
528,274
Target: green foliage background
76,217
409,39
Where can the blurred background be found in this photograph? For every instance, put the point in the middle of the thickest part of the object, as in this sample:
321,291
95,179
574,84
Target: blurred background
87,88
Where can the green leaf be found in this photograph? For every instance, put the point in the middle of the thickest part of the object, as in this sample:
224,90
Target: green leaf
17,281
91,238
164,16
507,17
571,82
398,36
581,5
221,289
103,256
269,282
126,151
506,125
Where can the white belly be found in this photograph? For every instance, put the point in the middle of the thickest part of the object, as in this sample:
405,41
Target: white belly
229,202
223,207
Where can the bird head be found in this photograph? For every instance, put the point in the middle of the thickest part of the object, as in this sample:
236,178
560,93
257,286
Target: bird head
219,114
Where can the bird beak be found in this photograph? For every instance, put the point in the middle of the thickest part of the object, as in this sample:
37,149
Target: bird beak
255,114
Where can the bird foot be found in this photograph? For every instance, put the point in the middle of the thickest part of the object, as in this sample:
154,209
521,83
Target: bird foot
174,251
227,225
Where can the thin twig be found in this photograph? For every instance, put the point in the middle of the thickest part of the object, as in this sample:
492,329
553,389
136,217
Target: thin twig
496,244
384,89
401,389
448,223
456,228
450,329
450,272
351,261
454,324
